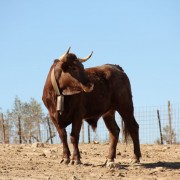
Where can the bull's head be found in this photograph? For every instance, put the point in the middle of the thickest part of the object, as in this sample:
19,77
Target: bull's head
70,74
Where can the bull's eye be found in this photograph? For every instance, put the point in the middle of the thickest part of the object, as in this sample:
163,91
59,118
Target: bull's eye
74,68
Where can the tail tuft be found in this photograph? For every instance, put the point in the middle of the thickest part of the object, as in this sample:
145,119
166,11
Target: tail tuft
126,138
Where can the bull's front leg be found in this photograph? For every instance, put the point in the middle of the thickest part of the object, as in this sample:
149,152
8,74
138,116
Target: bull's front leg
66,151
63,136
76,127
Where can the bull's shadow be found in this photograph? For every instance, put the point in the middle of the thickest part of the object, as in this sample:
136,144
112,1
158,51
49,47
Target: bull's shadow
168,165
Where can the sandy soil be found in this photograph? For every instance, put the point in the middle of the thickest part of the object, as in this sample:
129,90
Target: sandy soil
24,162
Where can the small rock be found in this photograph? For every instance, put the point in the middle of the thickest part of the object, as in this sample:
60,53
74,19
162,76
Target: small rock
124,156
83,152
165,148
74,178
54,157
159,169
113,165
50,177
42,154
38,144
96,142
120,175
55,150
148,156
21,147
47,153
119,153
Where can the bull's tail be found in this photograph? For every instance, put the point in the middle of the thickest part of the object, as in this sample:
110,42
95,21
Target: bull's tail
126,134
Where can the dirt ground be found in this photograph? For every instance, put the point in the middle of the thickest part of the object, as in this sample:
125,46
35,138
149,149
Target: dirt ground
24,162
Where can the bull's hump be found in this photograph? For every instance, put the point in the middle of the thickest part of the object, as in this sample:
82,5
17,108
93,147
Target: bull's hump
99,68
105,67
115,67
106,70
101,73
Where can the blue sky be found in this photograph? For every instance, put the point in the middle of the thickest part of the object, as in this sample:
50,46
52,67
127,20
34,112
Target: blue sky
141,36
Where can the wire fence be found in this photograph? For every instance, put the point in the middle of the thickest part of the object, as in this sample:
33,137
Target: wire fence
157,124
149,130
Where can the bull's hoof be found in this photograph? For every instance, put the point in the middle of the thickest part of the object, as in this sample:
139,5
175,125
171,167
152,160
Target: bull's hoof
75,162
135,161
65,161
107,162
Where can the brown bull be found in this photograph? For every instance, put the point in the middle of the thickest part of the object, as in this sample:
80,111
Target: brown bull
89,94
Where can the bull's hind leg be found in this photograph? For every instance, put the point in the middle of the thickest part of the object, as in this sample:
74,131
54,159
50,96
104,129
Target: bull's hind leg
126,111
109,119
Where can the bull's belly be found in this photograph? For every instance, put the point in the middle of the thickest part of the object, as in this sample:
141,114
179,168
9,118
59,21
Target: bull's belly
94,112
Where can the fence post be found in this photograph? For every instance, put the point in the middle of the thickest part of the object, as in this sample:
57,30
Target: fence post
50,132
169,117
19,132
159,120
39,131
89,137
3,129
83,131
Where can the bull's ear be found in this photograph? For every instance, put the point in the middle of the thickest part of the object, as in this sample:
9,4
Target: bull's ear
65,66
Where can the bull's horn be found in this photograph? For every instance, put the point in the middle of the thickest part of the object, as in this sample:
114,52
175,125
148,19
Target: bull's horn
67,52
85,58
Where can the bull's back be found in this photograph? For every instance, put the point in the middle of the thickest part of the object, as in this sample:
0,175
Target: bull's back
109,82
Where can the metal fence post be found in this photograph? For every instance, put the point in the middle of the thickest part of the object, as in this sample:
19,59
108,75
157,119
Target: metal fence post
82,131
159,120
89,137
169,117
